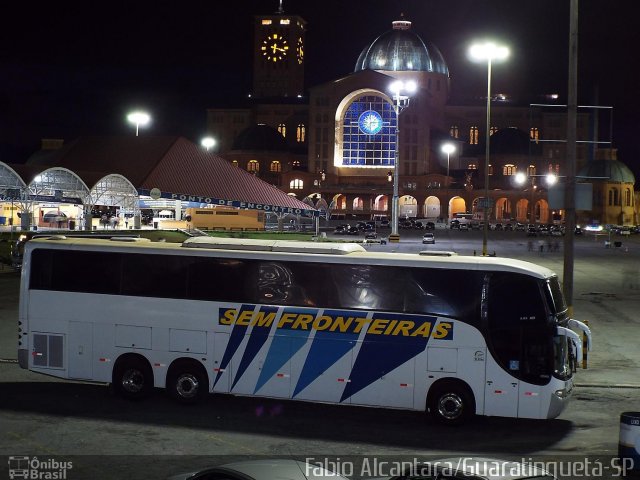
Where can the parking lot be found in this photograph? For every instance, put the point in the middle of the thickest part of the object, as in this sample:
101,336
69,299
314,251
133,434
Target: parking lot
108,437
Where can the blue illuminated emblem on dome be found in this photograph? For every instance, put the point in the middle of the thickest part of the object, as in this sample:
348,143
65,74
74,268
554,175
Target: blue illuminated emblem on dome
370,122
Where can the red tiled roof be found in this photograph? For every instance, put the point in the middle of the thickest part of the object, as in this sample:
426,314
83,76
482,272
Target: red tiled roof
172,164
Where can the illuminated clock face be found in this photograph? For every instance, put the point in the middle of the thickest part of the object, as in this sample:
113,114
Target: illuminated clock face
274,48
300,51
370,122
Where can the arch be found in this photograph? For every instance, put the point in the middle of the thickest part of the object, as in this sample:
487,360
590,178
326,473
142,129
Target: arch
503,209
115,190
542,212
375,150
253,166
432,207
407,207
381,203
522,210
296,184
358,203
339,202
457,205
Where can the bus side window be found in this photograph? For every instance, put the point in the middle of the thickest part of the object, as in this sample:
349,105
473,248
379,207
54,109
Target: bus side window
369,287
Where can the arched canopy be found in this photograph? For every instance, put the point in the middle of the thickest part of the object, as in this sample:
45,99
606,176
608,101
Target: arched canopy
59,185
115,190
11,184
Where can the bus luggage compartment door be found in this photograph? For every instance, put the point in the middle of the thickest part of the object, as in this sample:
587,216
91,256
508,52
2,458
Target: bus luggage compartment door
501,392
80,350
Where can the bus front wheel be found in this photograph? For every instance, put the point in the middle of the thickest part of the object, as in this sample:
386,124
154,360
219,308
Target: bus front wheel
451,403
133,378
187,382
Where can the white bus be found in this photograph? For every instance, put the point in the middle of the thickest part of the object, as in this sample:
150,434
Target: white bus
321,322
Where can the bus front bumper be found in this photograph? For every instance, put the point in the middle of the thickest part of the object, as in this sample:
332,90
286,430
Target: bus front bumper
559,399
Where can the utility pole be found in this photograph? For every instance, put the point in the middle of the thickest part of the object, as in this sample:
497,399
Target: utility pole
570,185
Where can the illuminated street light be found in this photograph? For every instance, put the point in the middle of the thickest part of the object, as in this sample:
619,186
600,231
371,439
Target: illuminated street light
139,119
448,148
400,103
487,52
521,178
208,143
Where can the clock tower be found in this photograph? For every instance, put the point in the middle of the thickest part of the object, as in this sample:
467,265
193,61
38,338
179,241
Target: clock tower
278,55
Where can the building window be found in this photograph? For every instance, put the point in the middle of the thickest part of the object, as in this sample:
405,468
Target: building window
531,170
296,184
234,163
534,134
295,164
472,166
627,197
473,136
368,148
300,133
275,166
454,131
253,166
266,22
509,169
493,130
490,169
554,168
282,128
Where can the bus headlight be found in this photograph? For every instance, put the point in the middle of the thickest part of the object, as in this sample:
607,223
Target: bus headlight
563,393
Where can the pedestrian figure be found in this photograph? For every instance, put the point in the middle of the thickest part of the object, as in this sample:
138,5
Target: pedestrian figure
530,246
541,246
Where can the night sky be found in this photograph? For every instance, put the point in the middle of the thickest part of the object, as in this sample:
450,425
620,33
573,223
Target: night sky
69,69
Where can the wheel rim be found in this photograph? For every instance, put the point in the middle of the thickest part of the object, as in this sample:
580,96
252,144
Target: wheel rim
187,385
133,380
450,406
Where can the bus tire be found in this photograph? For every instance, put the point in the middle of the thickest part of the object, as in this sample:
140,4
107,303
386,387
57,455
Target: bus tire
187,382
133,378
451,403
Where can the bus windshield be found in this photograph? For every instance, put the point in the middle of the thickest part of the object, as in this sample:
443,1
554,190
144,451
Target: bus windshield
558,303
562,358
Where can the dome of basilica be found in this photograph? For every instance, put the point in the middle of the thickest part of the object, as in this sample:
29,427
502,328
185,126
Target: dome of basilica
607,169
260,137
400,50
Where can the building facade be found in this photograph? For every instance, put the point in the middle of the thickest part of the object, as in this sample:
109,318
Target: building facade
340,143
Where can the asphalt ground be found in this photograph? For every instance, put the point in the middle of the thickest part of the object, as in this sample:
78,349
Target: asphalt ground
107,437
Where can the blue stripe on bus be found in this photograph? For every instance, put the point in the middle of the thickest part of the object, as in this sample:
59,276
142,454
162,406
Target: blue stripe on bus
376,358
258,336
324,353
237,335
283,347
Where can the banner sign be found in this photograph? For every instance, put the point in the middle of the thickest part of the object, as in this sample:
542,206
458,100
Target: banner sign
233,203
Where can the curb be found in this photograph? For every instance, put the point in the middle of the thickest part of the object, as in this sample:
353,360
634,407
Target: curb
608,385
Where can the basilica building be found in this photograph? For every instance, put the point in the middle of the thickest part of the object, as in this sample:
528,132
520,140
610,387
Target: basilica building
337,146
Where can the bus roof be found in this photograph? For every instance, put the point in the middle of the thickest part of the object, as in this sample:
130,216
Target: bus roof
333,252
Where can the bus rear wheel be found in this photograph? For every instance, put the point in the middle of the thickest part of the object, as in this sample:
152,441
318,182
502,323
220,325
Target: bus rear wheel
187,383
451,403
133,378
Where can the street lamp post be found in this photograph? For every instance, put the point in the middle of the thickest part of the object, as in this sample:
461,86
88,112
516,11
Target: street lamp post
487,52
208,143
139,119
400,103
520,178
448,148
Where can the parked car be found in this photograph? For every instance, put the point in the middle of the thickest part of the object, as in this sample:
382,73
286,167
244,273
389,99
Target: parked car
276,469
353,231
464,227
454,224
532,231
341,229
520,227
371,235
428,238
418,225
471,468
384,224
430,226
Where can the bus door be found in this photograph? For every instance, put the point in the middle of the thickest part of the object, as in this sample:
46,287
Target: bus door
80,350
